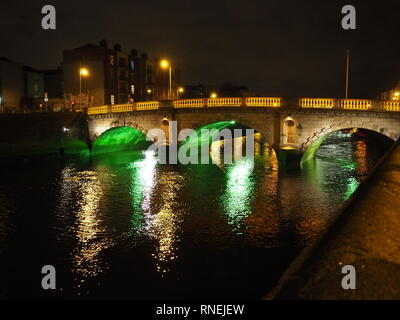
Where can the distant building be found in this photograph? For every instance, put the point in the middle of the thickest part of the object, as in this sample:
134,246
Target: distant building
195,92
11,85
53,83
53,97
205,91
25,89
114,77
33,89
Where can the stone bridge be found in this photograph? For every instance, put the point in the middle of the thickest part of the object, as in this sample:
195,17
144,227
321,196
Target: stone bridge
283,123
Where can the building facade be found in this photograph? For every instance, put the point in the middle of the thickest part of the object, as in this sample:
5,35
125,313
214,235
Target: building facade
112,76
11,85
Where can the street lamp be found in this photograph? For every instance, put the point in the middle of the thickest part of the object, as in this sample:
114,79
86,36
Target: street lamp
164,64
396,95
213,95
181,90
83,72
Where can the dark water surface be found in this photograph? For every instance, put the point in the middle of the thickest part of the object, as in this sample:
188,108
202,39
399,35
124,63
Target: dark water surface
122,226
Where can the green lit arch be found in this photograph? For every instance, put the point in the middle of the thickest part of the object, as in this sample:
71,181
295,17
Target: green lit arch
266,147
310,147
120,138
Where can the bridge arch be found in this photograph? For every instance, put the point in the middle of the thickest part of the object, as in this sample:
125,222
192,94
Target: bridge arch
309,140
310,149
262,145
119,138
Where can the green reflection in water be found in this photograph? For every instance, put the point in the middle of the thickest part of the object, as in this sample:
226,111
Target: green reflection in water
351,184
238,194
119,139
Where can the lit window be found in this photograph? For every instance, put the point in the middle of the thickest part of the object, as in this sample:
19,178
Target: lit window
112,60
133,65
112,99
133,89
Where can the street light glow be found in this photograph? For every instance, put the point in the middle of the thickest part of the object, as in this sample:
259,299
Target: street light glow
84,72
164,63
181,89
213,95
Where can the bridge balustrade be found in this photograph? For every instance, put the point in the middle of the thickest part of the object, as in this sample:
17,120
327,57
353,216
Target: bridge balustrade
189,103
98,110
317,103
147,105
327,103
224,102
263,102
391,105
356,104
122,107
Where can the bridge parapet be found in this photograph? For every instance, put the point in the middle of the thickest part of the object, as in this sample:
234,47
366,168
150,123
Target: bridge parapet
189,103
317,103
355,104
147,105
225,102
391,105
249,102
263,102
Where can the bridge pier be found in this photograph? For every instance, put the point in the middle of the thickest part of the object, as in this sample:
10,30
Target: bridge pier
289,159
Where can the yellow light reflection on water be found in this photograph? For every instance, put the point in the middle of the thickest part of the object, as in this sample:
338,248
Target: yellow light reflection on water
239,192
88,227
156,213
164,225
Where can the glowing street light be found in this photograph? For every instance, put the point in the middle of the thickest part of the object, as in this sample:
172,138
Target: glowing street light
213,95
396,95
164,64
181,90
83,72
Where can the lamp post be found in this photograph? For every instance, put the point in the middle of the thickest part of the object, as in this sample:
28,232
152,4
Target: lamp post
83,72
164,64
347,73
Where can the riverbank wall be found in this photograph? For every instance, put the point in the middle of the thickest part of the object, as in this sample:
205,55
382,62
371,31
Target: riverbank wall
41,135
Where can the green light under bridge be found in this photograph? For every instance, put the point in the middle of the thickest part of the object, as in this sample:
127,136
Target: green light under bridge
120,139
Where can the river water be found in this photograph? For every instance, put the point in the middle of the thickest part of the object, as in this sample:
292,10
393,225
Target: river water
122,226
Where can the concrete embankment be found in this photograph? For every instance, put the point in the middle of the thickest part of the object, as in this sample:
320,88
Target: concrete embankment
365,235
38,135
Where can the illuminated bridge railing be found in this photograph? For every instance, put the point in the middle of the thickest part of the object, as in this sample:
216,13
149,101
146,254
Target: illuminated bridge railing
263,102
317,103
147,105
391,105
98,110
122,108
356,104
249,102
224,102
189,103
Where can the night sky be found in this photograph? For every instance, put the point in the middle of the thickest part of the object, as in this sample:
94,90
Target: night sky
277,48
